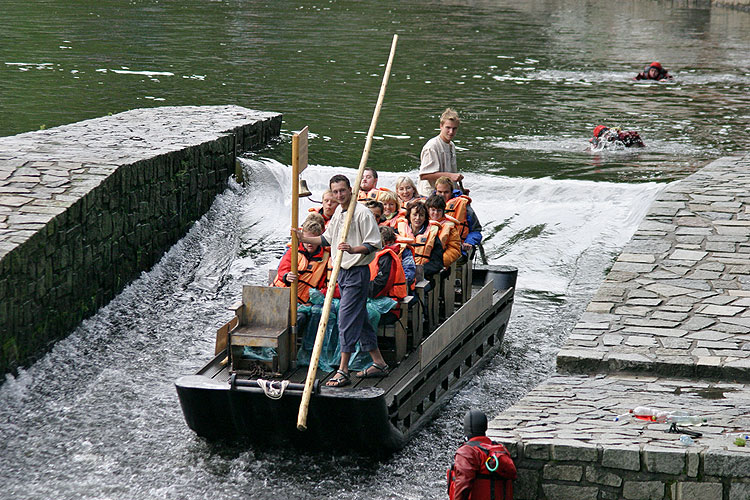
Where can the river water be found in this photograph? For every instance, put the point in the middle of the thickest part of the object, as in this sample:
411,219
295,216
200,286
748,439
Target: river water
98,417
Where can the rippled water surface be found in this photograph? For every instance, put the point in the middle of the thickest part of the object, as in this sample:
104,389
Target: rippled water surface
98,416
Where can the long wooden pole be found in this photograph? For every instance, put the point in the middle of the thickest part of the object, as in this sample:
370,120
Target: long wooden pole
295,245
312,370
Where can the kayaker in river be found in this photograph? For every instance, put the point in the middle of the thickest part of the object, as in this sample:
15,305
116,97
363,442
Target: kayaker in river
653,71
362,243
605,136
438,156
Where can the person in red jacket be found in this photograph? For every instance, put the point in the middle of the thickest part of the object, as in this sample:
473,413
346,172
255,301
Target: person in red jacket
469,478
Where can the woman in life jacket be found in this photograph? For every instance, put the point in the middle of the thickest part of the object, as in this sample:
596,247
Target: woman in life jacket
406,191
312,263
329,206
422,236
449,235
387,277
653,71
605,137
391,209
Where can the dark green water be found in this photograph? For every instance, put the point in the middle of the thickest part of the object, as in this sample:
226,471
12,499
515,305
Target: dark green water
530,78
98,417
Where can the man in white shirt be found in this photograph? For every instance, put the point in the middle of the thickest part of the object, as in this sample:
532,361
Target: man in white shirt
438,156
361,245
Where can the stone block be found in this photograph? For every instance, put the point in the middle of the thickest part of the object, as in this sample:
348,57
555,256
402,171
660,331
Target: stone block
568,492
537,450
622,457
724,463
600,476
526,485
739,491
563,472
583,452
695,491
664,460
643,490
693,461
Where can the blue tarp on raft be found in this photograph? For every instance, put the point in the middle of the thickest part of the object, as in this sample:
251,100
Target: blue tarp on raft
308,317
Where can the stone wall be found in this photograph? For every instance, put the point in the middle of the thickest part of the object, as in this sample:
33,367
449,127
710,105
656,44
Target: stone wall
84,208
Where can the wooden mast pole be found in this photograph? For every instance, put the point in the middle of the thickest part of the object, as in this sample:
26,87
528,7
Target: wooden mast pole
299,163
312,370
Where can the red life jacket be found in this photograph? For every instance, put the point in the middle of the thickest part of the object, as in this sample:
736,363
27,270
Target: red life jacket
395,287
494,479
310,273
457,208
320,211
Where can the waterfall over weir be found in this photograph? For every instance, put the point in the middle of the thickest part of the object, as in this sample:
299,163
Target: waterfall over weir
98,416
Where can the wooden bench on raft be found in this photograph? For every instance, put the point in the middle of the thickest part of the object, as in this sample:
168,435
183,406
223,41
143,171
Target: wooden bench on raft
261,320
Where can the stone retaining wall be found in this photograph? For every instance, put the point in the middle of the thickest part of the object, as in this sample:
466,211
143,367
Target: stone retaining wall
84,208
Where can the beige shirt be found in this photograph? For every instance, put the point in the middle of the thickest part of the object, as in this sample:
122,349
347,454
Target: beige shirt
437,156
363,229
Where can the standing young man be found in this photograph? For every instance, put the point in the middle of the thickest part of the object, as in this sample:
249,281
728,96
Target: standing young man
362,243
438,156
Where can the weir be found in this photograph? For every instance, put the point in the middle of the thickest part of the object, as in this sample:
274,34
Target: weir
668,329
86,207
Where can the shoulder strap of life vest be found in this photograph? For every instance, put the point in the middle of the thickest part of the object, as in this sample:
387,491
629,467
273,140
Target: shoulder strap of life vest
424,242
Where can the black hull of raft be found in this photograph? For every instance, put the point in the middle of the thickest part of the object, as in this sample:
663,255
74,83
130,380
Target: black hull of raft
372,417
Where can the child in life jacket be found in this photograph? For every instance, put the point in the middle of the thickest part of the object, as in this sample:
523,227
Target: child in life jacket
482,470
387,276
312,263
605,136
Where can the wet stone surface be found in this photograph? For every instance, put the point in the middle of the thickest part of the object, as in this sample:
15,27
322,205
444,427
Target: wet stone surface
669,329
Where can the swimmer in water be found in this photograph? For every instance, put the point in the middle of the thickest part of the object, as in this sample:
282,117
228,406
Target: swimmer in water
605,137
653,71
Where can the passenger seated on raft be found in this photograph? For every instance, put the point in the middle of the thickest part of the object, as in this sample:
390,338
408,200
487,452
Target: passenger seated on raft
448,235
376,208
406,191
421,236
604,135
387,277
653,71
391,209
312,263
329,206
368,187
458,206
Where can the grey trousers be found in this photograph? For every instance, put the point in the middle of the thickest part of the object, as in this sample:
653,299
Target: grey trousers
353,325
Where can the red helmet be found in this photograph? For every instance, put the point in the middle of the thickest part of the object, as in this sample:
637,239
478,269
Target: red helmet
655,65
599,130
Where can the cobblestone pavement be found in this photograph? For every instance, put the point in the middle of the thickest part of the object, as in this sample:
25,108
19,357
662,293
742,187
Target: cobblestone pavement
43,173
669,328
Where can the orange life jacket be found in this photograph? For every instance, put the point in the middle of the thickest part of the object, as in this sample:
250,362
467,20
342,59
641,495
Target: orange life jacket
395,287
457,208
451,246
423,243
372,194
309,274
